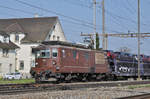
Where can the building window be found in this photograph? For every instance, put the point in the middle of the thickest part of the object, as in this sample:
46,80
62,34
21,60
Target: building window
58,38
54,52
5,39
21,65
33,63
5,52
53,37
10,68
0,67
53,27
49,36
16,38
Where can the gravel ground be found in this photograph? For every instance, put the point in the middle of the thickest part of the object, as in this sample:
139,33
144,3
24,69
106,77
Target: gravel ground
92,93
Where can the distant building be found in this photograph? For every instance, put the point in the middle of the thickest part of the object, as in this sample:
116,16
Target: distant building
7,54
28,33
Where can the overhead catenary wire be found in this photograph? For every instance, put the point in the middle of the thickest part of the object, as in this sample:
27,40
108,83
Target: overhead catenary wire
9,14
131,6
32,13
85,23
128,8
78,4
50,11
18,10
78,20
83,5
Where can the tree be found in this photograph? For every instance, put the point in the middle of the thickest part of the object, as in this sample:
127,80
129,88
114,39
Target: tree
97,41
125,49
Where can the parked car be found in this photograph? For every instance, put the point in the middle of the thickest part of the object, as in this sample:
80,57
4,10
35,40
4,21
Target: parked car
12,76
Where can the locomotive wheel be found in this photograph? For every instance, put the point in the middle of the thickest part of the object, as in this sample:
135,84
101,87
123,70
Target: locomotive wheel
37,80
68,78
99,77
84,77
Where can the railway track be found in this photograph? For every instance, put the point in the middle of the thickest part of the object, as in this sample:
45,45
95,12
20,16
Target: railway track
143,96
8,89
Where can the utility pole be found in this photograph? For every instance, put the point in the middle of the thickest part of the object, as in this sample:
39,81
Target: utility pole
103,27
94,21
139,36
91,39
94,15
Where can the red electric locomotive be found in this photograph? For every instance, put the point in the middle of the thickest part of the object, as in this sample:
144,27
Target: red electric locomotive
66,61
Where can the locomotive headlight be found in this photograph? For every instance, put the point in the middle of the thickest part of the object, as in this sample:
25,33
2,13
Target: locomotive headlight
57,67
54,62
36,63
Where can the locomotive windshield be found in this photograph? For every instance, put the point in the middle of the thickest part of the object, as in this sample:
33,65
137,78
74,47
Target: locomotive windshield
43,54
54,52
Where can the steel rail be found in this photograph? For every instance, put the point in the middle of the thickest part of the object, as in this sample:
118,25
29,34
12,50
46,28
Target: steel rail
27,88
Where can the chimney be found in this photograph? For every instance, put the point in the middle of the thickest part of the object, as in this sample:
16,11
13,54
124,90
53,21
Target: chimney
36,15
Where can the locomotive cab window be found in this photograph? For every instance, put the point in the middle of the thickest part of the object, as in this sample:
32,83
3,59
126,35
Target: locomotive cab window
54,52
37,54
43,54
74,54
86,55
63,53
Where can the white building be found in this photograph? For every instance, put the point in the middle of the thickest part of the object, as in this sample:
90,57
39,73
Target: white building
7,54
28,33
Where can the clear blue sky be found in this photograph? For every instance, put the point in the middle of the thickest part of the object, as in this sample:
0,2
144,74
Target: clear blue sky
76,16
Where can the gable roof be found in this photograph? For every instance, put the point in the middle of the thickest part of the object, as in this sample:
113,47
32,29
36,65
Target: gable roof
3,33
35,29
9,45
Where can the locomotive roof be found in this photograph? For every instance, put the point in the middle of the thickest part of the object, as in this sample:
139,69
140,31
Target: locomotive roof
65,44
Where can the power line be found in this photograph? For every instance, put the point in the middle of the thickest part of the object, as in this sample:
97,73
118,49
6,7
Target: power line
128,8
5,13
19,10
87,26
74,19
31,13
121,17
33,6
115,19
134,10
78,4
50,11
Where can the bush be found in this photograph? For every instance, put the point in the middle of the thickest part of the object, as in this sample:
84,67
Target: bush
1,77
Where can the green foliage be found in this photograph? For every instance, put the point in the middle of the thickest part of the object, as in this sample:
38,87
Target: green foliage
21,81
16,70
97,41
138,86
1,77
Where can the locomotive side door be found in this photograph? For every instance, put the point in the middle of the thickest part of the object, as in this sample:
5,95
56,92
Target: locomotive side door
101,65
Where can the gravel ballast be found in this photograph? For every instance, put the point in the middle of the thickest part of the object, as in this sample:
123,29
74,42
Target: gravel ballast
90,93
